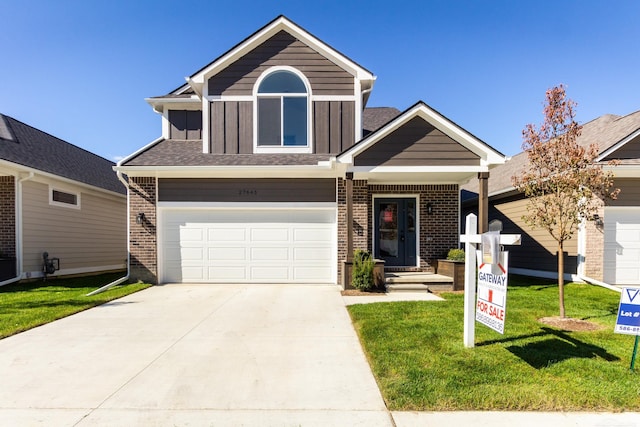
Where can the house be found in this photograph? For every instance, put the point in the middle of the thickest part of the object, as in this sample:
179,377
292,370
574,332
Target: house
271,170
607,246
60,199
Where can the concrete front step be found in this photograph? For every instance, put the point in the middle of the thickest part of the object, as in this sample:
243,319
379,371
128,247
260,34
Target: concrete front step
417,282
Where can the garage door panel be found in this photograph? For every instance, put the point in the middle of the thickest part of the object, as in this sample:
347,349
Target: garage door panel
232,234
269,254
622,246
227,253
259,245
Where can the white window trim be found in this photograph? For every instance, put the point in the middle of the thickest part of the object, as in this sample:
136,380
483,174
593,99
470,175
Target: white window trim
61,204
282,149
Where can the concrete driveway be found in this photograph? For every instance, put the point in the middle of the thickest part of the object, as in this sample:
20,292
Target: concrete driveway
194,355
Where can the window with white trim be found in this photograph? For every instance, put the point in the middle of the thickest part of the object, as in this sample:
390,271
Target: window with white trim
63,198
282,111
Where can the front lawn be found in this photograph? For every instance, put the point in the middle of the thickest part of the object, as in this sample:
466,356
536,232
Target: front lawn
27,305
417,354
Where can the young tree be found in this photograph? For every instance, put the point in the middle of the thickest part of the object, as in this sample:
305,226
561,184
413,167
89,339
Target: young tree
562,181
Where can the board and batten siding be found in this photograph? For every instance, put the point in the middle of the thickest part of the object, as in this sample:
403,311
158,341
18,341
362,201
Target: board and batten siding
239,78
87,238
538,248
416,143
231,129
333,126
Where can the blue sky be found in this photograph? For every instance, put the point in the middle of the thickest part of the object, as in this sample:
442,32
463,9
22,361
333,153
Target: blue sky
80,70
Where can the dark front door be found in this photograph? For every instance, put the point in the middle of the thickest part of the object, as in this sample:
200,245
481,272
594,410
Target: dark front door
395,231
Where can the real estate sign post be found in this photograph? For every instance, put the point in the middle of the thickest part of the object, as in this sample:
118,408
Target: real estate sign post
628,321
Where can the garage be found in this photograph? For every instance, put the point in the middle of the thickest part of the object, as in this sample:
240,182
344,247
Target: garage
622,245
292,245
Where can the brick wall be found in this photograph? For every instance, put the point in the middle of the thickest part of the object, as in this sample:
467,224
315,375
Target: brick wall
143,237
594,251
7,216
438,231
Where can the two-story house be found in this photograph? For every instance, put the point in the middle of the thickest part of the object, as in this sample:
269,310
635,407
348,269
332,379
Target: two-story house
270,169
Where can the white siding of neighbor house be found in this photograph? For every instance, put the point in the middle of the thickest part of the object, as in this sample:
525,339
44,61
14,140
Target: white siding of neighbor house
86,239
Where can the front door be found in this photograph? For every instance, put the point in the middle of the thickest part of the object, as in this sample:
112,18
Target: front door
395,231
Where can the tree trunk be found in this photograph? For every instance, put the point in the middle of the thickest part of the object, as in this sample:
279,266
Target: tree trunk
561,278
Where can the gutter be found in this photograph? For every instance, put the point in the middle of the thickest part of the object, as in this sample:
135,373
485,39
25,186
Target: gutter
125,278
591,281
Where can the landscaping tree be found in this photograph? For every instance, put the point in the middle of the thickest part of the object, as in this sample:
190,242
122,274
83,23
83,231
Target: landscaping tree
562,181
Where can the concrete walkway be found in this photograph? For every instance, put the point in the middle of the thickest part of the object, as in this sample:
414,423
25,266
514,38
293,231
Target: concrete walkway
195,355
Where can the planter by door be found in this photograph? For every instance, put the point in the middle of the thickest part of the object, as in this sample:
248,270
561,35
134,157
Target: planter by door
378,275
453,269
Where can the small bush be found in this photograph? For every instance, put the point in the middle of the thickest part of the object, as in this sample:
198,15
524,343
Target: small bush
362,273
455,255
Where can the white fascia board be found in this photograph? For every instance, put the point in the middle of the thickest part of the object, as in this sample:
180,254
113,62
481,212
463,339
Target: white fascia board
230,171
277,25
618,145
50,176
186,103
135,153
417,169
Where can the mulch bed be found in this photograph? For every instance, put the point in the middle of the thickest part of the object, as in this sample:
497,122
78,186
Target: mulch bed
569,324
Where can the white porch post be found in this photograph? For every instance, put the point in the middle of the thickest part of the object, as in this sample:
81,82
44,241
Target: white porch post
471,228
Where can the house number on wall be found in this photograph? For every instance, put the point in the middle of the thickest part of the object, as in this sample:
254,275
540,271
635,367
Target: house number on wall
247,192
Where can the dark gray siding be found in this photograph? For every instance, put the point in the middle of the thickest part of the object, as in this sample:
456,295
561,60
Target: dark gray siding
325,77
246,190
185,124
631,150
629,192
334,126
417,143
231,127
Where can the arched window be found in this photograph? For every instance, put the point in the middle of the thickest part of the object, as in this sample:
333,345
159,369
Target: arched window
282,111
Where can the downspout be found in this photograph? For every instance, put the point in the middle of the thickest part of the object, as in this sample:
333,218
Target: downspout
125,278
18,232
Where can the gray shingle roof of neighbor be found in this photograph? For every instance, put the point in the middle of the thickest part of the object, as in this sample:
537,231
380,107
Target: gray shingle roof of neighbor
604,131
189,153
27,146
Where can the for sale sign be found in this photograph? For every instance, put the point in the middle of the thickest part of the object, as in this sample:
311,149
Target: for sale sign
628,321
491,306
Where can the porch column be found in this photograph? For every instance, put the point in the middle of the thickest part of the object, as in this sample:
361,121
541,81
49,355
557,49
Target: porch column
483,202
349,196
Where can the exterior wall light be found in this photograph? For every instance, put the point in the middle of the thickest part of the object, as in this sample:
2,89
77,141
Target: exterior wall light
597,220
429,208
140,218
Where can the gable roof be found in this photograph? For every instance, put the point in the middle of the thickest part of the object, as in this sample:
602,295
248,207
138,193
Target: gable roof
609,132
27,146
488,155
196,81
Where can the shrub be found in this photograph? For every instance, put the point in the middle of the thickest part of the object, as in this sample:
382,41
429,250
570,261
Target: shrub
362,273
455,255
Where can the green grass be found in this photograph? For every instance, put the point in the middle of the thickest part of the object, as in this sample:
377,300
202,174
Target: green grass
417,354
27,305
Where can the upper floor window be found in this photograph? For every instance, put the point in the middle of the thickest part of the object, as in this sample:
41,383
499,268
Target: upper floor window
65,199
282,111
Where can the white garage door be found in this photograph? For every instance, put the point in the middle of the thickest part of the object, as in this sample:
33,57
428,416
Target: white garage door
622,246
248,246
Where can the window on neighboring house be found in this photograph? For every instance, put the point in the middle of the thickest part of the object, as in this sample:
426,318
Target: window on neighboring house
64,198
282,111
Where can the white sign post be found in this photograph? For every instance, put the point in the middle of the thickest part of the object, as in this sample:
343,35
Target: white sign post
470,239
491,308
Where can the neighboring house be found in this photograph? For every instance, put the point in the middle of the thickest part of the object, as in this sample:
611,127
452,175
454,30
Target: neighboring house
270,170
607,247
60,199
